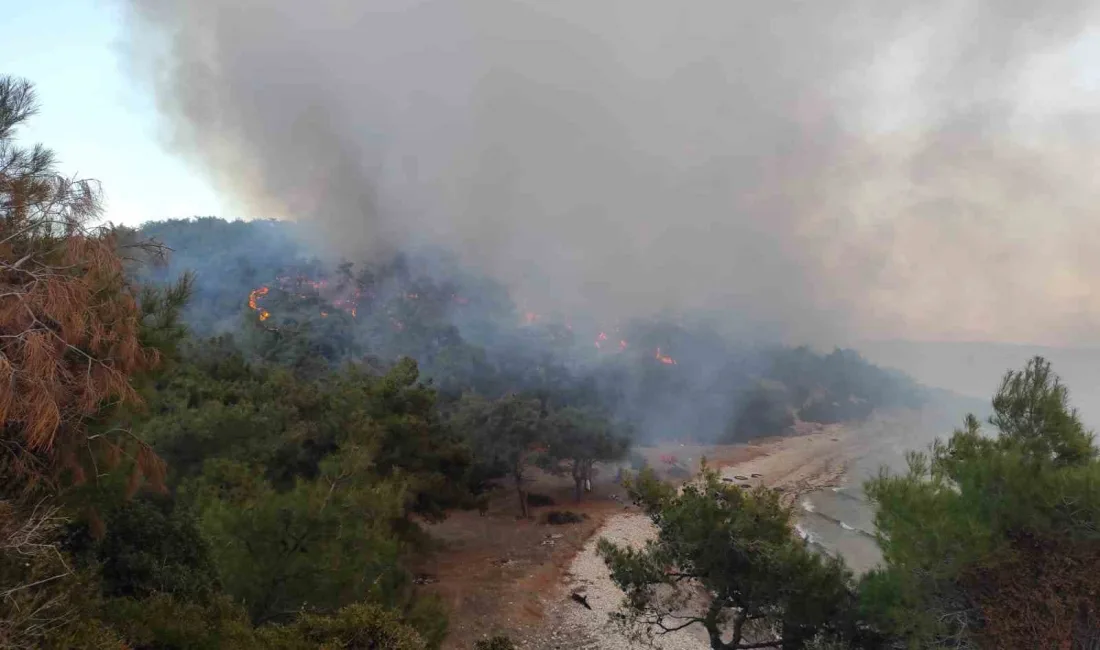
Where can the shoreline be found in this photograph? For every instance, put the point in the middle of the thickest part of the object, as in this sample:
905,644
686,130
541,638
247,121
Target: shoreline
796,465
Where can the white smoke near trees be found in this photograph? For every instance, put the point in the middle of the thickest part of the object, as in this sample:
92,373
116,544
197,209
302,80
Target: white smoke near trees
813,171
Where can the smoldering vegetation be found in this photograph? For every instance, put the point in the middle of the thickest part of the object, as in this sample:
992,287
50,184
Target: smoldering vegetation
664,377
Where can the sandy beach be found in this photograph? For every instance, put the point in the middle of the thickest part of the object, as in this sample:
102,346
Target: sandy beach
796,465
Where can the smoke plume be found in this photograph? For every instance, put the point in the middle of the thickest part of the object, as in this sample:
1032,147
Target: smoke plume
814,171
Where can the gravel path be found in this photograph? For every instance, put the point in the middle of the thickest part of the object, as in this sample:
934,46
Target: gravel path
572,626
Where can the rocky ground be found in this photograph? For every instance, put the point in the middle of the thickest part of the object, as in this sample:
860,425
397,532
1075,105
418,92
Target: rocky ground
571,625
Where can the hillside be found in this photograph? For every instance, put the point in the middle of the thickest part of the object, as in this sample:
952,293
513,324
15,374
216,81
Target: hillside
287,304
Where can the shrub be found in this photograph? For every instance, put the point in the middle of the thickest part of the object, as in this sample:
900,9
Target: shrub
498,642
563,517
150,546
355,627
766,412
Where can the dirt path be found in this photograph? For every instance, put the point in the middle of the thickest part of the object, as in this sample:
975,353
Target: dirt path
495,573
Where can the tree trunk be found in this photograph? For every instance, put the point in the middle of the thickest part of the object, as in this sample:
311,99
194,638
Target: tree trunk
521,493
578,480
793,638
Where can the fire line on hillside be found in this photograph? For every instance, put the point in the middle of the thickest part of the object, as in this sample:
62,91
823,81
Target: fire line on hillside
349,303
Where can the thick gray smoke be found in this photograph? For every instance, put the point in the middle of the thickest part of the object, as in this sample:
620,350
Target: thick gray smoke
817,171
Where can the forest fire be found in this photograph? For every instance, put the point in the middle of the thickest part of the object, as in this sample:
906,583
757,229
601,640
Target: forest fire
350,306
253,299
316,285
302,288
339,296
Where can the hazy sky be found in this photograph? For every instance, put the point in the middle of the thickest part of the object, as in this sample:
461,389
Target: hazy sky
98,121
822,171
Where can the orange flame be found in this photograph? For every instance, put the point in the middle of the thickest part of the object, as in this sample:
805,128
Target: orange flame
530,317
256,293
664,358
301,287
253,297
622,345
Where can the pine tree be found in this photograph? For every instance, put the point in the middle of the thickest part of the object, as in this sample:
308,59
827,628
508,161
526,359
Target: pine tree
76,337
991,540
72,336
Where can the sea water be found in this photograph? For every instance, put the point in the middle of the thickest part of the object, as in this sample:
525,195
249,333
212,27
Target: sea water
840,519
